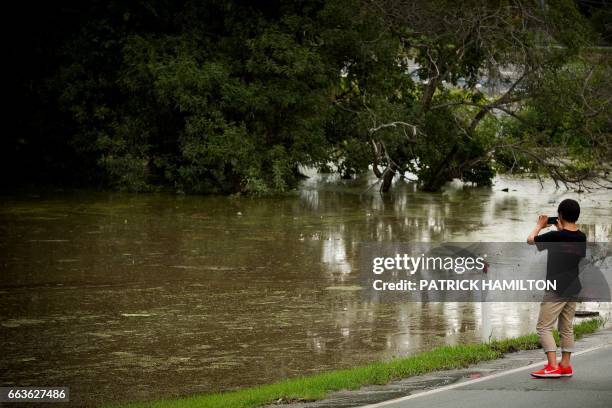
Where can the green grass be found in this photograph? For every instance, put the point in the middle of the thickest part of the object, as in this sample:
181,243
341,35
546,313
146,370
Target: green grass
320,385
532,342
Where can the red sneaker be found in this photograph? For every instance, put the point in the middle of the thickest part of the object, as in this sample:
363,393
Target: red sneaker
548,372
566,371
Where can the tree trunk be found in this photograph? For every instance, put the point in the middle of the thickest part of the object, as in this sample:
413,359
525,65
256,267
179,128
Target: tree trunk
388,177
438,177
428,94
376,154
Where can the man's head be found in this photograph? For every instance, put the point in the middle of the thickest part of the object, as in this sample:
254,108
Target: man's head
569,210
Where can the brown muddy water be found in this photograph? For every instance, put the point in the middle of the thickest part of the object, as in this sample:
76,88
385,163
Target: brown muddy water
131,297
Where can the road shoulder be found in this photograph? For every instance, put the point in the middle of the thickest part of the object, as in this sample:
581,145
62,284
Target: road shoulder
412,386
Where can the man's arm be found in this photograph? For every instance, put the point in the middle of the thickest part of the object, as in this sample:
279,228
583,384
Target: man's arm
542,223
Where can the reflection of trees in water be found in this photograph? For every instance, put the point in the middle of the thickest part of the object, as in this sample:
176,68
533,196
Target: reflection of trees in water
397,328
510,207
334,255
310,198
406,215
333,221
597,232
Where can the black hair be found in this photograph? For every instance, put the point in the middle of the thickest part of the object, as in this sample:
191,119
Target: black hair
569,210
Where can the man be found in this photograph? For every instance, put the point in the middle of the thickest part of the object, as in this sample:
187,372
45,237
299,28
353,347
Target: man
566,247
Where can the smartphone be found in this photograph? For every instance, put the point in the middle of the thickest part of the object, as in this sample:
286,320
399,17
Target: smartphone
552,220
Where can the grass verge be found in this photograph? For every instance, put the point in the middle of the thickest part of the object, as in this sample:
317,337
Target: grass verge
318,386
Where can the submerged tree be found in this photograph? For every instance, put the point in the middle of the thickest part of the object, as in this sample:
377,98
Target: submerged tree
223,96
446,124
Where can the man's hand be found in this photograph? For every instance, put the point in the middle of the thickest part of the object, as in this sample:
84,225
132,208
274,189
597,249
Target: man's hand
542,223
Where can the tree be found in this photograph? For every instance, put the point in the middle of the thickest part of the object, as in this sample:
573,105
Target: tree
445,126
223,96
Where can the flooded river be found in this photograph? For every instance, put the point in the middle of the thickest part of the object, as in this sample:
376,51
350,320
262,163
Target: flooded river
127,297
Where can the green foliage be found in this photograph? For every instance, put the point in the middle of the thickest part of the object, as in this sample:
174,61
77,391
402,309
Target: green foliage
225,96
461,131
231,97
567,120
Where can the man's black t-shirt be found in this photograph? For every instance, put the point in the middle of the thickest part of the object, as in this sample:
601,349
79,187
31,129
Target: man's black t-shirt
565,250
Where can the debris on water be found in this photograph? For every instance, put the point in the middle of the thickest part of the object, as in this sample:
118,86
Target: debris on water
185,267
122,354
49,240
135,314
12,323
99,335
219,268
505,189
345,287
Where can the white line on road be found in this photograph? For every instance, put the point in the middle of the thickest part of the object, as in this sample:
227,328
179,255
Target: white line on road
470,382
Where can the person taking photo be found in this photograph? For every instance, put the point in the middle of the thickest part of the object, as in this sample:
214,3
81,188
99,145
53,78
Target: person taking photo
566,247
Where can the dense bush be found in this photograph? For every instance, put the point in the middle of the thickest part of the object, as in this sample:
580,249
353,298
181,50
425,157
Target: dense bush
223,96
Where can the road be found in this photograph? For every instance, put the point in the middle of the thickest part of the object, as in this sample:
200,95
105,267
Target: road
591,386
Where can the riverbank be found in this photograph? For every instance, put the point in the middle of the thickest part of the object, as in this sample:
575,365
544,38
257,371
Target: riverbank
318,386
